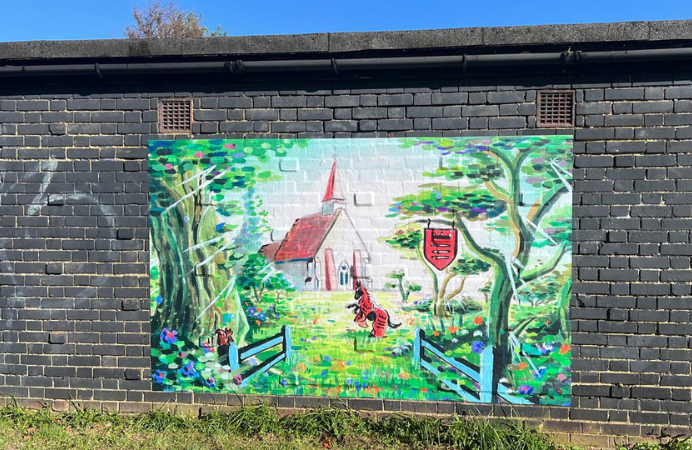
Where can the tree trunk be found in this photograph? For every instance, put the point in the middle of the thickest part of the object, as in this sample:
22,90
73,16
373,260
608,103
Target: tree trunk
404,295
498,326
562,309
188,296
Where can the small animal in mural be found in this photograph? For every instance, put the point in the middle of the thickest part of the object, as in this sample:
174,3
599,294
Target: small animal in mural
366,309
223,342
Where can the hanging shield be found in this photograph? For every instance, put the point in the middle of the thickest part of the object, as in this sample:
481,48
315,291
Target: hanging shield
440,246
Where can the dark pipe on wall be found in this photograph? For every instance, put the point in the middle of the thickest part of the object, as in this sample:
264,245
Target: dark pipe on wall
340,65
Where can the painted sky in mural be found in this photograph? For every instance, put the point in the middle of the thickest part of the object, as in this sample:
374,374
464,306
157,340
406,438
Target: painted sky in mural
417,268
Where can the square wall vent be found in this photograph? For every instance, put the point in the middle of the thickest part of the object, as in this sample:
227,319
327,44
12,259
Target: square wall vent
175,115
555,109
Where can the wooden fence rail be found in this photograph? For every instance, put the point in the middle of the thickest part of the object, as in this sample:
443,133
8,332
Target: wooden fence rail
236,355
482,375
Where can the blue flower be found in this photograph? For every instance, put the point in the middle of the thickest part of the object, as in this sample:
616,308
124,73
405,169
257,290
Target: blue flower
189,370
349,381
210,382
283,382
159,299
525,389
477,346
547,349
220,226
539,374
261,316
324,373
251,310
159,376
169,336
327,358
348,363
303,340
314,338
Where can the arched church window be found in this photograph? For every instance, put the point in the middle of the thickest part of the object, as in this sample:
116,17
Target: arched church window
344,273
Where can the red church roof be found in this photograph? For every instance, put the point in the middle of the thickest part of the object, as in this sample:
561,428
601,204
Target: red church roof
305,236
333,192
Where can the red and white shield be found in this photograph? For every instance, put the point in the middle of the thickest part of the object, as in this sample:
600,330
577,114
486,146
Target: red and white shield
440,246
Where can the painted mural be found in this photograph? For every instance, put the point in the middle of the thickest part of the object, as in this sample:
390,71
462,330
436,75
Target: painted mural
416,268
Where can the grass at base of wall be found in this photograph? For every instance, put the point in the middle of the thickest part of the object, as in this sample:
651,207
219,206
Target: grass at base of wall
258,428
261,428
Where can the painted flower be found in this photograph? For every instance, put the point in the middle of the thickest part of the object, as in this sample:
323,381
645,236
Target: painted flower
477,346
210,382
324,373
237,380
478,320
453,329
169,336
283,382
538,374
424,390
261,316
207,348
327,358
525,389
251,310
159,299
189,370
349,381
158,376
565,348
561,377
546,349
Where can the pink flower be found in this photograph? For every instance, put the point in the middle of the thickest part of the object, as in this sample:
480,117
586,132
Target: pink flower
561,377
198,155
168,166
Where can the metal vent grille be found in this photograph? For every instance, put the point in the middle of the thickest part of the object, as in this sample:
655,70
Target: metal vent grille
175,115
555,108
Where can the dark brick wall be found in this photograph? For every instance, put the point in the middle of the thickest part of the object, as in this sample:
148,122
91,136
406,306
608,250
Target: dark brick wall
74,239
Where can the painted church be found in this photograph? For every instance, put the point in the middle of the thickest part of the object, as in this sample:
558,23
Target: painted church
322,251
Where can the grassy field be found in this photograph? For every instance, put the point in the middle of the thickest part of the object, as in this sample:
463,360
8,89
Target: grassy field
334,357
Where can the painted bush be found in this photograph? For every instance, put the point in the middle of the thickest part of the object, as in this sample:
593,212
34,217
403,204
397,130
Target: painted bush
417,268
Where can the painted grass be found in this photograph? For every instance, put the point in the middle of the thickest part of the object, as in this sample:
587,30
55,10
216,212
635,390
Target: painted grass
333,357
258,428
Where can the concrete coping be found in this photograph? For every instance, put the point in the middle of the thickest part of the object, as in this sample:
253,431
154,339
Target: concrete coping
341,43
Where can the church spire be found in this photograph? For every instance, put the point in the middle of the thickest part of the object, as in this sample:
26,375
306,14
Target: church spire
333,194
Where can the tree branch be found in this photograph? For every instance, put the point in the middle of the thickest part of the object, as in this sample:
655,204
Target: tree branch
484,253
457,291
538,209
549,266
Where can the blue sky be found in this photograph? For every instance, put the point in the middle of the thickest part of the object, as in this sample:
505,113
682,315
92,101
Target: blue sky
100,19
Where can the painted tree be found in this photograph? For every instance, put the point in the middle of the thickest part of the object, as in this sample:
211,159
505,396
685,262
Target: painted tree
408,239
400,282
509,188
204,222
257,276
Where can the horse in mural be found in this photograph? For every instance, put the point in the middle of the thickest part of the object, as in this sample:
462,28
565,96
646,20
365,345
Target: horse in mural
367,309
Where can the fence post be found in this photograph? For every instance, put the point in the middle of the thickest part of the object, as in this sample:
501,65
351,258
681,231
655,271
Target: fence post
417,347
233,356
486,375
286,330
